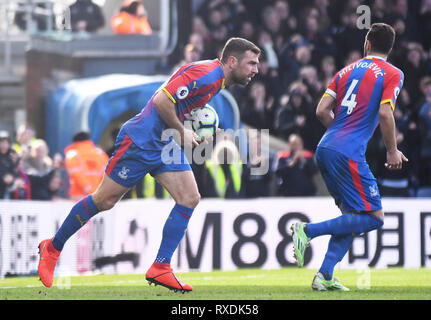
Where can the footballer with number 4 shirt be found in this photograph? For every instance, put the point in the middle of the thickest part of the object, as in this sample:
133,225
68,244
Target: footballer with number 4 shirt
139,149
360,96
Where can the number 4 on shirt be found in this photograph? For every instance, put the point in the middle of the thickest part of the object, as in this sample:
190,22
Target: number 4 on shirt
349,98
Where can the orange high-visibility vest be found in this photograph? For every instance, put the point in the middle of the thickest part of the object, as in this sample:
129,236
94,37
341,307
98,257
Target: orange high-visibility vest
125,23
85,165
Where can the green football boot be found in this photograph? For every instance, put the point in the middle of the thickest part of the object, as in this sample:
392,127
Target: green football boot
321,284
300,242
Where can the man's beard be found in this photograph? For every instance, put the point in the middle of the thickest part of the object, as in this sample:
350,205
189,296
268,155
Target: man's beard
242,80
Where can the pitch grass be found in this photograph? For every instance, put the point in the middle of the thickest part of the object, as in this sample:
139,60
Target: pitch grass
249,284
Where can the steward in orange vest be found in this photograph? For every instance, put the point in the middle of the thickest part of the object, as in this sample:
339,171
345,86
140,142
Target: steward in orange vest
85,165
132,19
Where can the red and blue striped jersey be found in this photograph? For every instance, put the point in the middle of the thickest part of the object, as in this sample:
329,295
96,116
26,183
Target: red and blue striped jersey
359,89
191,86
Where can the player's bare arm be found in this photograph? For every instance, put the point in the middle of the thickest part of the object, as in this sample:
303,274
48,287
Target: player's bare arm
166,109
324,110
394,157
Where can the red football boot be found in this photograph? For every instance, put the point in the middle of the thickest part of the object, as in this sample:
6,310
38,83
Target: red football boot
48,259
162,274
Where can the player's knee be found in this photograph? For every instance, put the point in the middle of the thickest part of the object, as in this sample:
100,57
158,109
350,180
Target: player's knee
196,199
109,203
105,203
191,200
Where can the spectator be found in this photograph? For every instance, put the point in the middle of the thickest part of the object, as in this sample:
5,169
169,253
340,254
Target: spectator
85,164
328,68
322,13
257,185
225,169
287,24
352,56
201,38
425,135
21,187
294,115
290,65
415,68
45,179
349,37
247,30
24,138
257,109
378,11
14,184
271,22
266,43
204,180
309,76
132,19
6,164
320,38
218,30
395,183
149,188
86,16
271,79
424,23
38,161
197,41
423,86
295,170
401,11
191,53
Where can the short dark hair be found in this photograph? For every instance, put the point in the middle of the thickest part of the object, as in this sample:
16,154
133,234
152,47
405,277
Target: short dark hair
381,37
81,136
237,47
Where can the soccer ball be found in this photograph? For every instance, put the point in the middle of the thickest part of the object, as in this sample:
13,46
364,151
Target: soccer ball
205,121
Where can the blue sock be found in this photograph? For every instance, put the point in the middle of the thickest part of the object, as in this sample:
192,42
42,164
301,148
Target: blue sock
81,212
337,249
173,232
347,223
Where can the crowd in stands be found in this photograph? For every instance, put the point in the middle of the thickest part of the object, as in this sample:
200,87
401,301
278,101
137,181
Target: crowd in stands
304,43
27,172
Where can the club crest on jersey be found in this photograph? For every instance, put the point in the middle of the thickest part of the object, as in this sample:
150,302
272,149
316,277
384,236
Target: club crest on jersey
182,92
373,191
123,173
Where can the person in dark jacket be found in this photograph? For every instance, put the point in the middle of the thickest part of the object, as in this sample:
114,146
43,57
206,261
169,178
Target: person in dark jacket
14,183
86,16
295,170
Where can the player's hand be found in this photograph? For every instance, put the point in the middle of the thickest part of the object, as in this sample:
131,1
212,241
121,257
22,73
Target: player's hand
189,138
205,140
394,160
